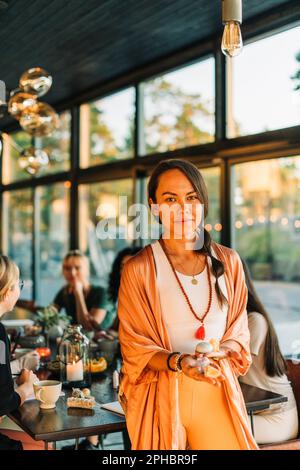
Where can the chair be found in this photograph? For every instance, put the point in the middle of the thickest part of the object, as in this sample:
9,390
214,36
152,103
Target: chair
293,374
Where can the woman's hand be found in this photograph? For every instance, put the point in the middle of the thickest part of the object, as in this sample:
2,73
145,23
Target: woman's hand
226,353
234,357
27,377
191,366
77,287
25,381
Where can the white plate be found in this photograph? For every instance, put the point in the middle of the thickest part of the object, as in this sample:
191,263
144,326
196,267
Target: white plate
17,323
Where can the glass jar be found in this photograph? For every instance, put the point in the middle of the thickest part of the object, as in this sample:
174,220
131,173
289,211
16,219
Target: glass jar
74,358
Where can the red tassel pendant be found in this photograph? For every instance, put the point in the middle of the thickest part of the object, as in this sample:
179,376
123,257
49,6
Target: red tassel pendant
200,333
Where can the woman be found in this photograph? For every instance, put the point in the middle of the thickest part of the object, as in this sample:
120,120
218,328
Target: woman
83,302
160,316
11,399
92,442
268,371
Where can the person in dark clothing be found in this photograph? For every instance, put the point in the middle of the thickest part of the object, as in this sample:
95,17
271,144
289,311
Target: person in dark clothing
115,279
86,305
83,302
10,399
91,443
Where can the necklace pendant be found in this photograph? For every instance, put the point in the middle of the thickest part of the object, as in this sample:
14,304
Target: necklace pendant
194,281
200,333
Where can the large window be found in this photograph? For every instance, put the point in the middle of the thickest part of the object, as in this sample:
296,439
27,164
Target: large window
56,145
266,233
17,233
262,93
107,129
52,238
179,108
13,144
104,224
213,220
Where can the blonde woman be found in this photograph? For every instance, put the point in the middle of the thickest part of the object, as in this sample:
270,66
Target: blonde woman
10,398
86,304
83,302
174,293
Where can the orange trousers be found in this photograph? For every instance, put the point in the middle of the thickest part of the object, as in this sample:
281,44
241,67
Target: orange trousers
205,416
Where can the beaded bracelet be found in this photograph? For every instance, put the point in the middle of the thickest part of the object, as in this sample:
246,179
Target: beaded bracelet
181,357
168,361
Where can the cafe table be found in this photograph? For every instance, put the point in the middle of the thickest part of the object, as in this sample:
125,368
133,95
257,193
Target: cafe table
62,423
257,399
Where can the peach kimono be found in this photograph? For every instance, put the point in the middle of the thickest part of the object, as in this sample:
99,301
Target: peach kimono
150,398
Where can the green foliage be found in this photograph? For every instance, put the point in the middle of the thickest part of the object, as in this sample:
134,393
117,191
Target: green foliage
183,129
186,111
275,247
99,130
296,77
50,316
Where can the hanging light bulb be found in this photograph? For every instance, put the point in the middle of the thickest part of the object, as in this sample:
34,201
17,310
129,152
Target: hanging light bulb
39,120
36,81
33,160
232,42
19,101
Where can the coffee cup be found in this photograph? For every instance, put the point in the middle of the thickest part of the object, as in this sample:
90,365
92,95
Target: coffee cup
47,392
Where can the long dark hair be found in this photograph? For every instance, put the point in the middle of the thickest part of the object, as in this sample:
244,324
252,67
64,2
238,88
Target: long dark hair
115,274
197,181
275,364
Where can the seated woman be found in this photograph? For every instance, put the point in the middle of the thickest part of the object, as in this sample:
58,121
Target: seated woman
28,361
83,302
92,442
268,371
11,399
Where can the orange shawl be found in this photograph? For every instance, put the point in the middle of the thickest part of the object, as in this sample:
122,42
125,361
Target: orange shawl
150,398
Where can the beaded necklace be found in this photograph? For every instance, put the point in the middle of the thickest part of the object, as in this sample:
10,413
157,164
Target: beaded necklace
200,333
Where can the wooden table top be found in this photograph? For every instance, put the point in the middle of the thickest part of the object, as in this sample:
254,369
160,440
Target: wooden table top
62,423
257,399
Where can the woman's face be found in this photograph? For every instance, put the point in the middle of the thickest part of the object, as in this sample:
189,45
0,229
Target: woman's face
180,208
12,296
75,269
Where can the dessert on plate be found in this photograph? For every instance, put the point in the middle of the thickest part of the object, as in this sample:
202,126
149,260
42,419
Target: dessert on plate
81,399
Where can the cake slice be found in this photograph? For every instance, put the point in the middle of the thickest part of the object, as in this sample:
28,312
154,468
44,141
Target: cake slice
81,399
87,403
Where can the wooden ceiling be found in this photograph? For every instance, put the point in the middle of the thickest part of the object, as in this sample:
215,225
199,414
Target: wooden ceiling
84,43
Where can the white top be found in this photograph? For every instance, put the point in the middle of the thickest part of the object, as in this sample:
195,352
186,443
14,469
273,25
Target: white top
178,318
257,375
